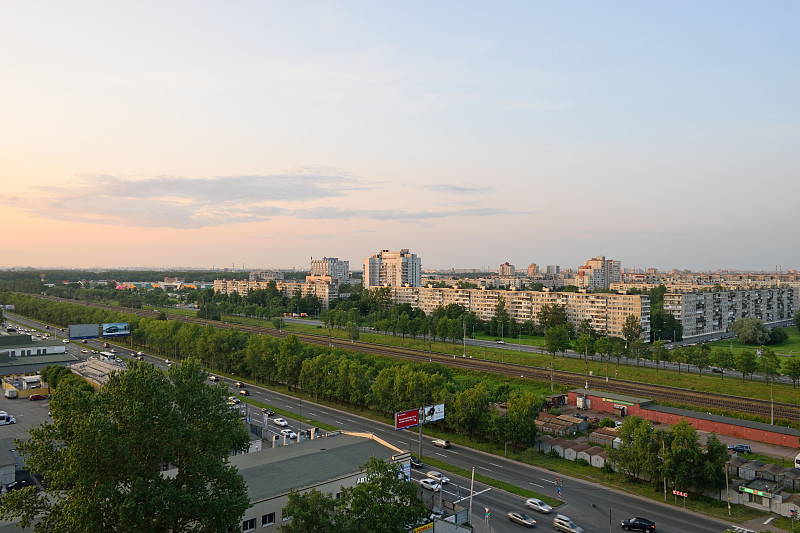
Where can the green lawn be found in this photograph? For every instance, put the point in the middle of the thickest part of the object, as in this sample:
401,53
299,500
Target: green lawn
790,347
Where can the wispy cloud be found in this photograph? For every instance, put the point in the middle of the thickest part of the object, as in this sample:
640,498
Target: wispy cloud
189,203
459,189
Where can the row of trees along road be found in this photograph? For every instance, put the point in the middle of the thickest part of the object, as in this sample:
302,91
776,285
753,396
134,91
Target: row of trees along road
674,455
350,378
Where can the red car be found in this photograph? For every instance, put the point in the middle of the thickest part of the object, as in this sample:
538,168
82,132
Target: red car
33,397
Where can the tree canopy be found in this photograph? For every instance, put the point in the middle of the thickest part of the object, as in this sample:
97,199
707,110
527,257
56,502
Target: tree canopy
103,454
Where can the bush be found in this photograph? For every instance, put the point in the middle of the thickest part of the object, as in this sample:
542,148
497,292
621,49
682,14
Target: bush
607,423
555,411
582,462
553,453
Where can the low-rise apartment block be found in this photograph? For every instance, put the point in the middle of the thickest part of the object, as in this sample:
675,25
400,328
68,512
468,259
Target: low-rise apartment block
324,288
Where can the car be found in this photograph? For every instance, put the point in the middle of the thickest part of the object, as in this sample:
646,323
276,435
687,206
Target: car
84,351
522,519
244,392
638,523
268,412
501,342
65,341
114,350
441,443
139,358
430,484
415,463
112,329
95,351
84,341
594,419
289,433
565,524
34,397
238,384
233,399
280,422
438,476
215,379
139,354
21,484
740,448
537,505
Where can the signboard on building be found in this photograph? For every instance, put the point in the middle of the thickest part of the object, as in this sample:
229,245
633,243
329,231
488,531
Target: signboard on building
432,413
406,419
116,329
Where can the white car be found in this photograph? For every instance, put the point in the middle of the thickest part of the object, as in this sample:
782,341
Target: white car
280,422
439,477
537,505
233,399
289,433
65,341
429,484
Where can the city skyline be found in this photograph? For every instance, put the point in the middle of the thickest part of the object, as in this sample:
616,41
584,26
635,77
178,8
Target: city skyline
262,134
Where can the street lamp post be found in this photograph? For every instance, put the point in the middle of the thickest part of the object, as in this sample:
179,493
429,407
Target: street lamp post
603,513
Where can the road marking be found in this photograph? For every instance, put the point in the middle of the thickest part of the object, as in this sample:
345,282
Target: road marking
536,484
484,468
473,495
338,422
440,454
548,480
311,414
498,466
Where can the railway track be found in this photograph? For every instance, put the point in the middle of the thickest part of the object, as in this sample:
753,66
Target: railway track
724,402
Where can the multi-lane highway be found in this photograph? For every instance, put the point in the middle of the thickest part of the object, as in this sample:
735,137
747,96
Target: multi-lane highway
578,496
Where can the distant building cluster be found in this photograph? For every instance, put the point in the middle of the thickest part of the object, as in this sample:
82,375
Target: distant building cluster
703,303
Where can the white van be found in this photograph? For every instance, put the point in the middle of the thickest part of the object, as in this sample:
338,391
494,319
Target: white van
797,461
6,418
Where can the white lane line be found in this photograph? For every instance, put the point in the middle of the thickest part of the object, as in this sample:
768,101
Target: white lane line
536,484
498,466
440,454
311,414
484,468
338,422
552,482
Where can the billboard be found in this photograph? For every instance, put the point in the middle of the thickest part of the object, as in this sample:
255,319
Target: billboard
84,331
432,413
116,329
406,419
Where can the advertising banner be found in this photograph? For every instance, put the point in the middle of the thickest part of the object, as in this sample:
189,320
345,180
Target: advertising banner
406,419
84,331
432,413
116,329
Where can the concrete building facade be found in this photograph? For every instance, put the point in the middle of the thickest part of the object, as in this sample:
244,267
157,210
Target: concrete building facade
598,273
331,266
506,270
324,288
703,313
606,312
392,269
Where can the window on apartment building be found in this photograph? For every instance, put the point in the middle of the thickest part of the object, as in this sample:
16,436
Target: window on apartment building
268,520
249,525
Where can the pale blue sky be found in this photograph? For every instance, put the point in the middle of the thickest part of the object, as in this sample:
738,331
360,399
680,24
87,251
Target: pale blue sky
263,133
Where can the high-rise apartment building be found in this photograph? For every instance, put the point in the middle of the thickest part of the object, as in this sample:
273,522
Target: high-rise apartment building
506,270
331,266
533,269
392,269
553,269
599,273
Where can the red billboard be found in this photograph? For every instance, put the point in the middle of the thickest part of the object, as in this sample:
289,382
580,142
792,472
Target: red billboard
406,419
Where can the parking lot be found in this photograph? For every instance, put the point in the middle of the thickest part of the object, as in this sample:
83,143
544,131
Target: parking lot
28,414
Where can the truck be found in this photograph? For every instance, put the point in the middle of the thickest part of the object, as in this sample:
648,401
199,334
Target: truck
10,393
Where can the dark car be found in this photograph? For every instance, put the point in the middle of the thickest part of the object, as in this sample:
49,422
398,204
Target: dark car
522,519
33,397
112,329
21,484
238,384
740,448
268,412
415,463
638,523
244,392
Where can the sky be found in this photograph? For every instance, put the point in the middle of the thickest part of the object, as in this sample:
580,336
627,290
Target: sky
259,134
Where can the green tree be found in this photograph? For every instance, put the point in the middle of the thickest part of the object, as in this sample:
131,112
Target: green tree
791,367
521,411
102,456
745,362
683,455
385,501
751,331
470,410
711,475
723,359
660,353
557,339
551,315
604,347
769,364
796,319
635,453
353,331
277,323
631,329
